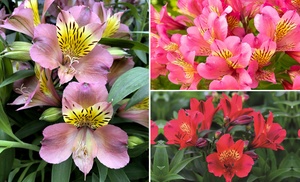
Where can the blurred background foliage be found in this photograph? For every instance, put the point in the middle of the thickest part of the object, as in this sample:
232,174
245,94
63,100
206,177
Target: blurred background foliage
271,166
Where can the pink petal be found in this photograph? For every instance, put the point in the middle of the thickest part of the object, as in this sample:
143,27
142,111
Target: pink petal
45,49
85,94
83,15
118,68
94,66
226,83
112,146
20,21
85,150
64,74
58,142
213,68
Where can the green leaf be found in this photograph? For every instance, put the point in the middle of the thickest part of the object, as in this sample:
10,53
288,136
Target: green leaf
102,170
177,158
176,169
30,177
13,174
161,161
141,55
11,144
277,173
127,83
138,150
5,125
30,128
17,76
171,177
117,175
138,96
61,172
136,171
124,44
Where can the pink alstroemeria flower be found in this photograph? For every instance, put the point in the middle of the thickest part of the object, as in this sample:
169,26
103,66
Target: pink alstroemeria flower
71,46
229,58
283,30
37,90
26,16
86,133
263,48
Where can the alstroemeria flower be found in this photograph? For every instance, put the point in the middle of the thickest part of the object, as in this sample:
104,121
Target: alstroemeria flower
183,131
86,133
37,90
229,160
299,133
206,108
233,108
71,46
267,133
26,16
283,30
154,132
229,57
138,113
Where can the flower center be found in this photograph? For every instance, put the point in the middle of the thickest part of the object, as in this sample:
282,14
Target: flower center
262,56
92,117
228,157
185,128
283,28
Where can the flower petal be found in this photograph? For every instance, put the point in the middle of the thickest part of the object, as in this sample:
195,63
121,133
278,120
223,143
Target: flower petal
45,49
58,142
112,146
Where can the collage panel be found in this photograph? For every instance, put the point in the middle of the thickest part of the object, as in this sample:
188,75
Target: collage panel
225,45
74,90
225,136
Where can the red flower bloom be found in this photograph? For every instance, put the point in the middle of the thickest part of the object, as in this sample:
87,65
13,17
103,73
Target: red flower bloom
183,131
267,133
299,133
229,159
154,132
233,108
206,108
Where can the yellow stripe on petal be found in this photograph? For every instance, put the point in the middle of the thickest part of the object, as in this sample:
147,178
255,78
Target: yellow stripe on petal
74,41
112,25
262,56
187,68
283,28
93,117
143,105
32,4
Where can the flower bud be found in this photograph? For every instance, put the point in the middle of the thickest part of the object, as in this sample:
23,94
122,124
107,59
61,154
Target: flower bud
134,141
201,142
118,52
218,134
242,120
252,154
17,51
52,114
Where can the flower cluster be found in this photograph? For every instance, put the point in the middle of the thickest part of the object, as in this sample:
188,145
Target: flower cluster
73,71
198,127
222,45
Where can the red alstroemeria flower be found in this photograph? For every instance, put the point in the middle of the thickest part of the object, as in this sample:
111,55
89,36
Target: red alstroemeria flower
299,133
183,131
206,108
229,160
154,132
233,108
267,133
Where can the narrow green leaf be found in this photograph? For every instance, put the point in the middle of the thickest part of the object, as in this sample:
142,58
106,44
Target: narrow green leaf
30,128
23,174
61,172
171,177
142,56
117,175
124,44
5,125
277,173
128,83
136,171
161,161
102,170
176,169
17,76
138,150
30,177
177,158
138,96
12,174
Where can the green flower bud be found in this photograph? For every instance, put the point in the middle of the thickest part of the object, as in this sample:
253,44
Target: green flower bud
115,51
134,141
52,114
17,51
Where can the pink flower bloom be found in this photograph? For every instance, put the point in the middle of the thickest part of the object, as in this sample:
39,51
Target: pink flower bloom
138,113
26,17
154,132
55,47
191,8
229,57
3,15
283,30
86,133
37,90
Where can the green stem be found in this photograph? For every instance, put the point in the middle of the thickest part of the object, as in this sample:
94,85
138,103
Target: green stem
10,144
